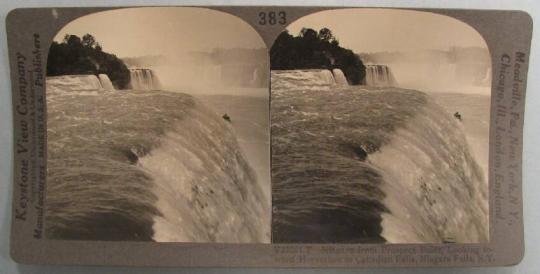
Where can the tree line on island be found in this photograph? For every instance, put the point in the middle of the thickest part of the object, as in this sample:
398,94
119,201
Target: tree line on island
316,50
75,55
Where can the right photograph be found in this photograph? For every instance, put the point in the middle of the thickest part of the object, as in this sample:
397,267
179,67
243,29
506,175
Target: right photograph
380,129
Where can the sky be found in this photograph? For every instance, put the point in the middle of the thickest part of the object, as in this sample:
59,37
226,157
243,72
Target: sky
374,30
165,31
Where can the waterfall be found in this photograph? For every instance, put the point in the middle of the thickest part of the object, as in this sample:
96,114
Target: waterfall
143,79
207,191
350,165
339,77
105,82
435,189
162,167
306,79
379,76
327,77
74,83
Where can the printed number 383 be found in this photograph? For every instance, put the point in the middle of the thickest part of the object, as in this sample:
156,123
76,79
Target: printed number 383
272,18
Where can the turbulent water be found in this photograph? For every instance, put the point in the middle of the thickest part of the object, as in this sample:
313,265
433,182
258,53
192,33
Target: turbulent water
360,164
145,165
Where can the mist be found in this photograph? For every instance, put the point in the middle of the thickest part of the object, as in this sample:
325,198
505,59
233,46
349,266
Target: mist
423,50
217,72
460,70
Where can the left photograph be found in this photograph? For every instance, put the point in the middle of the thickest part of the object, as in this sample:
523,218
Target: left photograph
158,128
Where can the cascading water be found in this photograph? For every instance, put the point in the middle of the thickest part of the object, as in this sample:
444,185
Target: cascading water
105,82
435,190
327,77
143,79
74,82
162,167
370,165
379,76
310,79
340,77
80,84
206,190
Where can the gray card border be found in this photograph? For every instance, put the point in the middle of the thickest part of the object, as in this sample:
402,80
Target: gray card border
507,33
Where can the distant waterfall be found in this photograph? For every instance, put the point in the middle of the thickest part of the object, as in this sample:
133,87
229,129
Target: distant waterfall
379,76
143,79
87,83
307,79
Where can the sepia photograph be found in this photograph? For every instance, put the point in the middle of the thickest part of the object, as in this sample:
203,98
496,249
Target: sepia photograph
158,128
380,129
